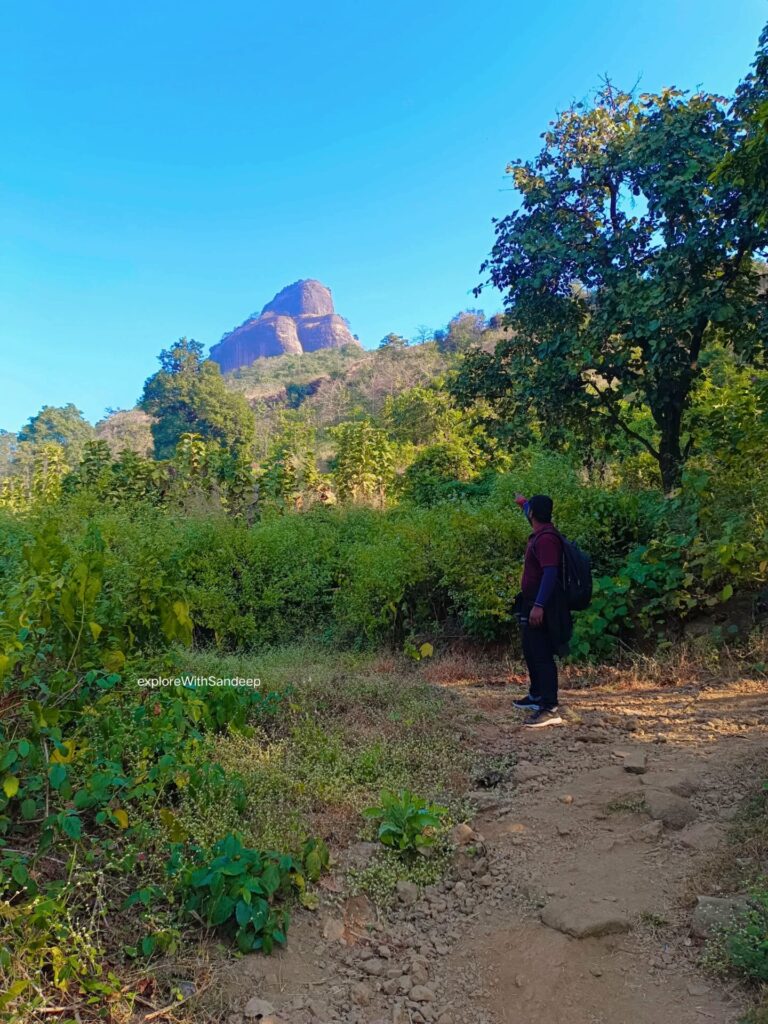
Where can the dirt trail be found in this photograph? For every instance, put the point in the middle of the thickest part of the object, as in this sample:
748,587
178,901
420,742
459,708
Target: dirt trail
567,837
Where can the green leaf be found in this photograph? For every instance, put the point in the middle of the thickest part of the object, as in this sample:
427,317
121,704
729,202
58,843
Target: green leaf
314,865
72,826
8,759
221,910
10,786
270,879
242,913
19,873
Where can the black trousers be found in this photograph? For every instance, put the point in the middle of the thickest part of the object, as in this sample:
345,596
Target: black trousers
540,659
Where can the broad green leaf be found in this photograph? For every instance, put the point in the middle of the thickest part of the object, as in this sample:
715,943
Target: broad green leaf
72,826
242,912
10,786
221,910
19,874
8,759
270,879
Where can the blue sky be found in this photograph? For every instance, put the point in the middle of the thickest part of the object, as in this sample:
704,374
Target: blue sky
167,167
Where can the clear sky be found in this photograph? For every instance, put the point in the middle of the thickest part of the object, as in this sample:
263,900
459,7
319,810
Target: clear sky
167,166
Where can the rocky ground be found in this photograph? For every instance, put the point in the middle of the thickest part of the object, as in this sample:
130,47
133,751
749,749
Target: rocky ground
573,895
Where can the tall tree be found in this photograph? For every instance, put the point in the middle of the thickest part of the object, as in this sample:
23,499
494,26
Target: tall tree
363,463
393,342
747,167
63,425
188,395
628,255
8,444
463,332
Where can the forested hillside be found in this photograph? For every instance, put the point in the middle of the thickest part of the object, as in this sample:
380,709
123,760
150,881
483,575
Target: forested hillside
326,508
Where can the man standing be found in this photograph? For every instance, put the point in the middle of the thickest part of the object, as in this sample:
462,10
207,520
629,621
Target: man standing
544,620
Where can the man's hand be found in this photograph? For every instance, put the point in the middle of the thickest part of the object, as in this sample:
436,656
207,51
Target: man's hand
520,499
536,616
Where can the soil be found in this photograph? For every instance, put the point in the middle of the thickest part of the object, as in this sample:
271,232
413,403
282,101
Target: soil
565,835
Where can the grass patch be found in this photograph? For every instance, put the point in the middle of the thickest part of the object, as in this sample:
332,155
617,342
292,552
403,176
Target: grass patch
165,775
379,879
740,950
626,805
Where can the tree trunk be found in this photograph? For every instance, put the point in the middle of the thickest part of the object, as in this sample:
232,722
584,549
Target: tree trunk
670,453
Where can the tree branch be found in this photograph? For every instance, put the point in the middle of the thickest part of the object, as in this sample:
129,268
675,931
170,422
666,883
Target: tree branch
733,265
614,205
605,402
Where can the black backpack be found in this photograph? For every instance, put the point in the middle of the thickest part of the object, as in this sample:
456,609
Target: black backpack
575,575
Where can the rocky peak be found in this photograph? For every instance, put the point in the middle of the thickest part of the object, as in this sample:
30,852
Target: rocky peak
300,318
302,298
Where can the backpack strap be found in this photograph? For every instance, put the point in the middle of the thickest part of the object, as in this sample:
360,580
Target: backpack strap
551,529
561,538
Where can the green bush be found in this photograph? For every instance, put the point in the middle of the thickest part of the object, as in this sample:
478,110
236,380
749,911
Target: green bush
747,944
239,890
407,823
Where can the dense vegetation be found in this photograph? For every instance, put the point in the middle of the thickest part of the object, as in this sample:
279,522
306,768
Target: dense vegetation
364,501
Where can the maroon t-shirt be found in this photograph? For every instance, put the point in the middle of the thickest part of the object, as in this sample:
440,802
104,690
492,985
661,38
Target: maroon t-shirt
544,549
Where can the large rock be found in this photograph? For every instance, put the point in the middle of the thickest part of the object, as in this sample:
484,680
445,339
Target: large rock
583,920
635,762
702,837
300,318
674,811
679,783
713,912
300,298
407,892
257,1009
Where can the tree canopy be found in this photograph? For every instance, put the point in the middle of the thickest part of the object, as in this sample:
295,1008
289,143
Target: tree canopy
634,247
64,425
188,395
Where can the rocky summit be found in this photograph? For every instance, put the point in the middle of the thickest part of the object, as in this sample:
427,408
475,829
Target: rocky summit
300,318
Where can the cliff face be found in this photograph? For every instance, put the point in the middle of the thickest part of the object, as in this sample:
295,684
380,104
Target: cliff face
300,318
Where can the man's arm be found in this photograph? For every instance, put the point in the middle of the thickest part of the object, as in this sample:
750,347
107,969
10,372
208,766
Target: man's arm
547,585
548,554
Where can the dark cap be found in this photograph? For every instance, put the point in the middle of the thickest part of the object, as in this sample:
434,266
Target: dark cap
540,507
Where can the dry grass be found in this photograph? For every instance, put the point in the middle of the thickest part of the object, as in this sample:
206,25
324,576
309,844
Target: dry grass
688,663
744,857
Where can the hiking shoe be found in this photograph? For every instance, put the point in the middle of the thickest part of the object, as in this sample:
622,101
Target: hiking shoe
527,703
542,718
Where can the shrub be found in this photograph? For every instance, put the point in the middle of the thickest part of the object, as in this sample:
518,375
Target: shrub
407,823
239,889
